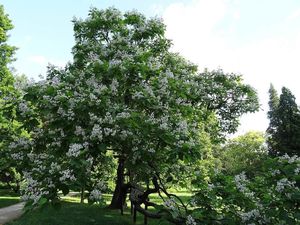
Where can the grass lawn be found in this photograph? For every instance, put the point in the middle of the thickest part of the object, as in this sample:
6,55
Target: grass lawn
74,213
7,198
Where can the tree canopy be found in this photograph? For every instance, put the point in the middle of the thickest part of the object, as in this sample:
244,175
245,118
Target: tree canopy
244,153
126,96
9,127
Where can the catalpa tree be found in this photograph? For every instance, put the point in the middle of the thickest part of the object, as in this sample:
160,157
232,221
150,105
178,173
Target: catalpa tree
124,95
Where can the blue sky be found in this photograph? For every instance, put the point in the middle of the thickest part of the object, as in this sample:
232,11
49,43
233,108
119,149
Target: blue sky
258,38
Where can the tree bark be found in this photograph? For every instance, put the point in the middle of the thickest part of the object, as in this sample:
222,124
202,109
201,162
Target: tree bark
82,195
120,192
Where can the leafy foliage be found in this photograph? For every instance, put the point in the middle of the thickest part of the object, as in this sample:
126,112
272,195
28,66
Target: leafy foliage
269,197
9,127
243,153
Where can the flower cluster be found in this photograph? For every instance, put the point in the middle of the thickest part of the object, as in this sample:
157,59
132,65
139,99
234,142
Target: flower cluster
170,204
95,195
74,150
247,216
190,220
67,175
284,183
241,184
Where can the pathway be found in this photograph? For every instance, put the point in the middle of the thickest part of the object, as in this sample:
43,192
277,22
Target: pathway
10,213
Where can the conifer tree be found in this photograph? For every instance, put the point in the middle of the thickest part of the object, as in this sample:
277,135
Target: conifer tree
284,128
273,125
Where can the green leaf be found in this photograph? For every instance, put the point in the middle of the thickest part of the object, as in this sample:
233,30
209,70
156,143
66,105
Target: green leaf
42,201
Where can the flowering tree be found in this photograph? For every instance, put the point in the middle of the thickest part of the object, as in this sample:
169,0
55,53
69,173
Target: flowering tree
125,95
271,196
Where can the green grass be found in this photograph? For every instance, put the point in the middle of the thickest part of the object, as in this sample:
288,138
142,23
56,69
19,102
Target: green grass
8,198
74,213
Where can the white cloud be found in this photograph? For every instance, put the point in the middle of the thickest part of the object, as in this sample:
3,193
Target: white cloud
196,33
294,15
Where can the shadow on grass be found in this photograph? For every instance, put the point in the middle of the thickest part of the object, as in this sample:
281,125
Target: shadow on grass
8,197
72,213
7,201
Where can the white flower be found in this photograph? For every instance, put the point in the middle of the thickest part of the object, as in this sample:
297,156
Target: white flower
169,74
123,115
108,131
79,131
241,184
170,204
297,170
253,214
95,195
93,56
193,202
284,183
67,175
210,187
124,134
23,108
183,127
92,97
148,89
108,118
17,156
190,220
74,150
54,167
274,172
97,132
151,150
114,86
114,62
137,95
291,159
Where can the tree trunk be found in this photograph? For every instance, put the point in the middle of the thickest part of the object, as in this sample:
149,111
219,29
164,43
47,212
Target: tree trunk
82,195
120,192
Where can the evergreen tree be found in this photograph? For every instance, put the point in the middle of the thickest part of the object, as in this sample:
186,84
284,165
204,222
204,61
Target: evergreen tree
284,128
288,134
273,125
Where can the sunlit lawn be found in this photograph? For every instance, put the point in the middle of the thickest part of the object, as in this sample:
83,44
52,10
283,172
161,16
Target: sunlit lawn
74,213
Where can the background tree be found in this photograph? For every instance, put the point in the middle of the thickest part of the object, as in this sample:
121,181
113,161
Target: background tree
9,127
243,153
284,128
288,133
272,115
